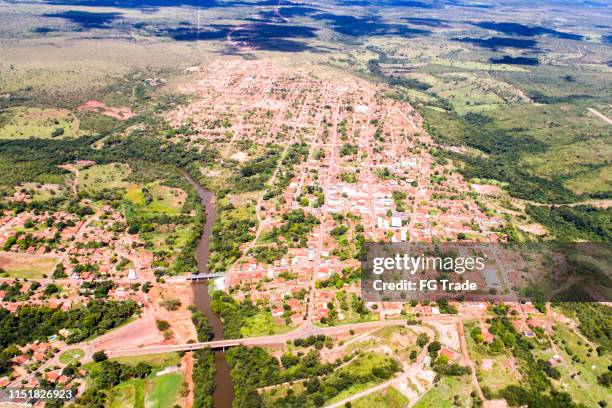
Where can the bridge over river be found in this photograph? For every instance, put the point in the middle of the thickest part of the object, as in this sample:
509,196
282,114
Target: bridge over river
307,329
204,276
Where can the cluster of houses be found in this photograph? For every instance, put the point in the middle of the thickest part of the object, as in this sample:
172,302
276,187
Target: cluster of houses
257,101
93,240
78,252
36,362
369,157
72,294
382,147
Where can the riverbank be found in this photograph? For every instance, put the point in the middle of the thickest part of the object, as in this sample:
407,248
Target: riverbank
223,394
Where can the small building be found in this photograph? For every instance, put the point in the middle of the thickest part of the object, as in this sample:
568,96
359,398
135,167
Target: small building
132,274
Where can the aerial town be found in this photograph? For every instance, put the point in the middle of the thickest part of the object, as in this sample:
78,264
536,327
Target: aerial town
191,218
367,175
353,166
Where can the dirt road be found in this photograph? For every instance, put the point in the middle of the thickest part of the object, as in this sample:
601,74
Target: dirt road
600,116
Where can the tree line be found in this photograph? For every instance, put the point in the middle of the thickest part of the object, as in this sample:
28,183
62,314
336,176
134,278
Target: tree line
33,322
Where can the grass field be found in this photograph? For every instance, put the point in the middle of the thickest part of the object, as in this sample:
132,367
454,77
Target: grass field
270,397
26,266
579,144
151,198
153,392
129,394
43,192
155,360
156,198
24,122
150,392
134,194
597,180
103,176
578,375
166,200
476,66
388,398
469,93
353,389
401,340
501,372
71,356
262,324
446,392
168,239
162,392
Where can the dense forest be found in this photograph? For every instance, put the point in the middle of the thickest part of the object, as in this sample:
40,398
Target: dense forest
105,375
595,322
25,160
252,368
32,323
232,228
203,374
200,322
233,313
503,150
295,229
253,175
570,224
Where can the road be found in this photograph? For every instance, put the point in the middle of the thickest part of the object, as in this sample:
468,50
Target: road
361,394
600,116
593,203
73,169
305,330
321,229
466,354
279,339
270,183
406,373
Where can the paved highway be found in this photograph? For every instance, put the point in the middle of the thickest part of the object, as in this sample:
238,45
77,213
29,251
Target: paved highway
307,329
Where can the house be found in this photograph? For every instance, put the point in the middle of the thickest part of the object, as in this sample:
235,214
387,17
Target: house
20,360
38,356
63,379
486,335
391,308
53,376
450,354
555,360
278,311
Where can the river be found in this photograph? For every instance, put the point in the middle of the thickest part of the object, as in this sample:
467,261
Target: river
224,389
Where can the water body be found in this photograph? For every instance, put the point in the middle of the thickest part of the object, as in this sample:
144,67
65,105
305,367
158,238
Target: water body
224,389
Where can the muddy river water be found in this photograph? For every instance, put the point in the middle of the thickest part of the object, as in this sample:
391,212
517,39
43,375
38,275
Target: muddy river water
224,389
